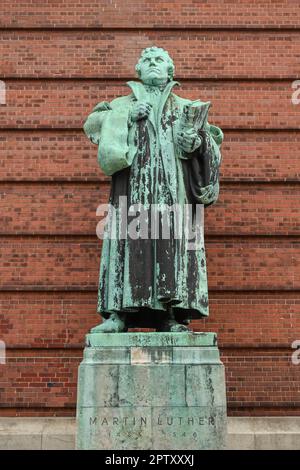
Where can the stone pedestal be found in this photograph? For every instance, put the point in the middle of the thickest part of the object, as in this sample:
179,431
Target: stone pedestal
151,391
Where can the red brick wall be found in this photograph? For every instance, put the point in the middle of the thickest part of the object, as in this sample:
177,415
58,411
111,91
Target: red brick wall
58,59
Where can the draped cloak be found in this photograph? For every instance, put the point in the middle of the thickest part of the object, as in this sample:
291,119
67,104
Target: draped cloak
143,276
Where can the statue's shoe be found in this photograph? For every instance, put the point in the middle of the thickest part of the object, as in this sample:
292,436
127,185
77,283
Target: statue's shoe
172,326
114,324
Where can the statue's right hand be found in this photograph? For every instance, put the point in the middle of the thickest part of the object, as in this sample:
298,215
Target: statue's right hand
140,110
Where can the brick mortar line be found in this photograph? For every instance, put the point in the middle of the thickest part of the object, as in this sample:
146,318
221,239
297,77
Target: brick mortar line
113,81
92,238
156,27
230,405
285,183
92,181
100,181
79,129
123,80
82,290
216,295
223,347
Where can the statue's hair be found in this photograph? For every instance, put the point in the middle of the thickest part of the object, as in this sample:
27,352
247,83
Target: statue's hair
171,70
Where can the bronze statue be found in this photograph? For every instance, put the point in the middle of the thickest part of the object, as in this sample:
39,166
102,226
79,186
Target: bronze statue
161,152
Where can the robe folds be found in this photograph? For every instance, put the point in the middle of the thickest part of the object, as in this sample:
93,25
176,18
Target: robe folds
141,276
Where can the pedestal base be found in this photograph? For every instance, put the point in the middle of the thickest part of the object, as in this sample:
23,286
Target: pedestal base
151,391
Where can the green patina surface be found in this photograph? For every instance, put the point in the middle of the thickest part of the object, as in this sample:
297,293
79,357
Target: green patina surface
151,339
163,390
153,161
134,395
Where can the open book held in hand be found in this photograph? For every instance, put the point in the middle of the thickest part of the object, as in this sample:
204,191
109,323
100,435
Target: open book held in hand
195,115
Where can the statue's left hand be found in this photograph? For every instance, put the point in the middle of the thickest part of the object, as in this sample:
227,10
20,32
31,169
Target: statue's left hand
189,140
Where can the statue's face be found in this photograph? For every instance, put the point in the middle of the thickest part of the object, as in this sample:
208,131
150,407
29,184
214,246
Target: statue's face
154,68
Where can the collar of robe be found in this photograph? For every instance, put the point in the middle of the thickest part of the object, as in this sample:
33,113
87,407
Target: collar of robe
140,93
140,90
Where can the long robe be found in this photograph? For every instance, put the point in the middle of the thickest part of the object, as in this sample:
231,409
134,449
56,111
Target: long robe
143,276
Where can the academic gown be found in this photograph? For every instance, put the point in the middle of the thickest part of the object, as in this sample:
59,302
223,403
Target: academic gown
142,277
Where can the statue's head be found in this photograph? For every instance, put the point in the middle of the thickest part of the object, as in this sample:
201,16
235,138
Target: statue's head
155,66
